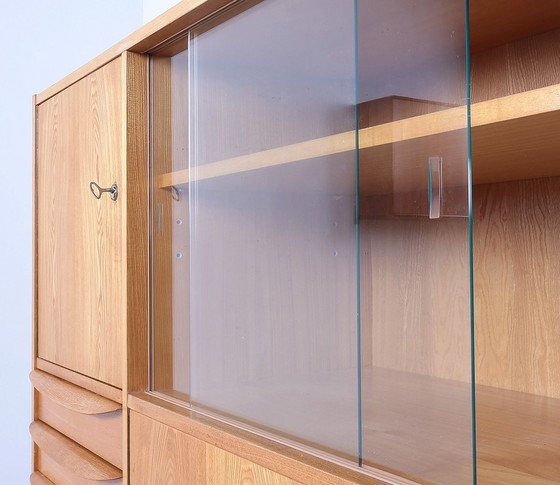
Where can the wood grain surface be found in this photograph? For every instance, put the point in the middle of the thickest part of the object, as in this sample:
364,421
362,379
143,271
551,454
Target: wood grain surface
497,22
97,387
416,426
81,240
71,456
509,134
415,295
99,433
284,460
524,65
162,227
38,478
173,457
60,475
517,285
70,396
134,273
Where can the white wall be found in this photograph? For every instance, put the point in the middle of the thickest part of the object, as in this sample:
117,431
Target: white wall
41,42
153,8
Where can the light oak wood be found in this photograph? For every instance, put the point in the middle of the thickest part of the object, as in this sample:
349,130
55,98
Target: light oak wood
70,396
279,458
62,476
135,273
70,455
517,285
406,416
414,293
111,393
99,433
135,323
162,227
81,240
38,478
176,457
160,455
527,64
518,438
521,122
497,22
224,467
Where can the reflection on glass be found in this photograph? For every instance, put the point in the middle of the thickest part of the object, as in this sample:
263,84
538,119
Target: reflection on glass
262,245
415,314
260,299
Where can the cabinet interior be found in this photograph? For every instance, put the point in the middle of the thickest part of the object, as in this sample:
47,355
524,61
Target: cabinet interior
415,378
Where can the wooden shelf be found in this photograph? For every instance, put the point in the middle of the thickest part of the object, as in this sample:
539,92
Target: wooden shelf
418,426
509,134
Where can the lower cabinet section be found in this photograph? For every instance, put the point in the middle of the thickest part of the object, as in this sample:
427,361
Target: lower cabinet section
65,462
77,434
99,433
161,455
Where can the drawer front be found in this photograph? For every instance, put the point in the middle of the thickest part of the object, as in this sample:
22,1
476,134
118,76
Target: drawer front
100,433
61,476
65,462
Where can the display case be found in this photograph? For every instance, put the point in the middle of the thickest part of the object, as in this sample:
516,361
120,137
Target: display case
310,229
335,240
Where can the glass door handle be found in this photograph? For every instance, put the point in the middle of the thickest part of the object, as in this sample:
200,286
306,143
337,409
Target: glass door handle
435,169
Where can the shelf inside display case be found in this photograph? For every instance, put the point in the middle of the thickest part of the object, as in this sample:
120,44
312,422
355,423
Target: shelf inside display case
509,134
400,435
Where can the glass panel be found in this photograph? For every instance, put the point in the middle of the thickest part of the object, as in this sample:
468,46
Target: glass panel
414,230
255,234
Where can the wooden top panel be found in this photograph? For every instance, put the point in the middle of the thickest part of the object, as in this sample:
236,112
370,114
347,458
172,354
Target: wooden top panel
493,22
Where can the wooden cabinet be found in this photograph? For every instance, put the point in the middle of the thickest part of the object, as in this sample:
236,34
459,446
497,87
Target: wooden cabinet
343,246
90,271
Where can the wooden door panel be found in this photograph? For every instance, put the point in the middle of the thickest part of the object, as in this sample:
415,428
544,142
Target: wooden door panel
80,240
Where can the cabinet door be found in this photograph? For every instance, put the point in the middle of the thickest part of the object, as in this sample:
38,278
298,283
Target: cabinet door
80,293
162,455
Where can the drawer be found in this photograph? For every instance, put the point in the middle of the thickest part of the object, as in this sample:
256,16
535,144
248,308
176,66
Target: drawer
64,462
87,418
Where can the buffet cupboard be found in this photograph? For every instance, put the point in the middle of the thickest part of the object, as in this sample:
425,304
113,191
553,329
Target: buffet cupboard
303,242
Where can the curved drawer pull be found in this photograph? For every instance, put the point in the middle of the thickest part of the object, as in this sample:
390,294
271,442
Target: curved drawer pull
98,191
71,396
38,478
70,455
